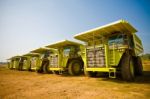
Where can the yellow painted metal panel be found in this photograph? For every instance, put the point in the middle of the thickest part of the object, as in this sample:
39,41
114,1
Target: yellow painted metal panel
99,69
15,57
55,69
33,68
118,26
41,50
62,44
31,54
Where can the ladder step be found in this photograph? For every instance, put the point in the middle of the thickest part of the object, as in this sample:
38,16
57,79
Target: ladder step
60,72
112,73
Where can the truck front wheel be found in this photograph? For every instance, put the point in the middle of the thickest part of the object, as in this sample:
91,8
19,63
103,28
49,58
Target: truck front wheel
46,68
127,68
75,67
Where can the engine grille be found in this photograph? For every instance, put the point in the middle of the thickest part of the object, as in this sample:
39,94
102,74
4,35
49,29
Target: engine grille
33,63
54,61
95,57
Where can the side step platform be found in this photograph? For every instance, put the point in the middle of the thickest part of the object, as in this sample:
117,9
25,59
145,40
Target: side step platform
112,72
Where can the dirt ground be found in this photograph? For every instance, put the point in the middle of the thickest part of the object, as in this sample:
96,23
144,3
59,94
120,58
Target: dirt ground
30,85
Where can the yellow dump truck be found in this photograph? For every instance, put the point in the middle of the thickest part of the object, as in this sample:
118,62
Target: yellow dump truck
29,61
42,62
67,59
14,62
112,48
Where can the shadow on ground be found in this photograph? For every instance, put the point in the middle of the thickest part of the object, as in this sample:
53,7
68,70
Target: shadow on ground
144,79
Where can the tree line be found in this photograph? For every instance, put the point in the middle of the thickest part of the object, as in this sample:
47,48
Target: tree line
145,56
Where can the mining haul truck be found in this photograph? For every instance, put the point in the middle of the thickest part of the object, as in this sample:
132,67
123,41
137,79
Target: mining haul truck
14,62
112,48
42,62
67,59
29,61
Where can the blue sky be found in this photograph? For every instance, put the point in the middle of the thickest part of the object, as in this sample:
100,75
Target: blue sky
29,24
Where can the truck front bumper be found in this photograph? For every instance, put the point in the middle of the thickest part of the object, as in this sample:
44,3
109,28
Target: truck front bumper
56,69
101,69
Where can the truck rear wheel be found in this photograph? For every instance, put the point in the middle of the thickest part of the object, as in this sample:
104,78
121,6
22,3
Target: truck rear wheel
20,68
75,67
138,66
127,68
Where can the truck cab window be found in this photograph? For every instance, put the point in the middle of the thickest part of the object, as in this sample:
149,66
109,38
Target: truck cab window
117,39
66,51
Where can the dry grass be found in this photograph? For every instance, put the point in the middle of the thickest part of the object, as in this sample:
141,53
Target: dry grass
146,65
29,85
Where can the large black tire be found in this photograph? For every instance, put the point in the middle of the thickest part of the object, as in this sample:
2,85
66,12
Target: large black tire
138,66
127,67
46,68
20,66
90,73
75,67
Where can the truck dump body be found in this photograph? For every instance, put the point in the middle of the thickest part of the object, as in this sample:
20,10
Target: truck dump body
118,26
44,51
40,50
63,43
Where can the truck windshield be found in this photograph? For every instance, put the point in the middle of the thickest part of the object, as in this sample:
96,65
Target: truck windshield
116,39
66,51
45,55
